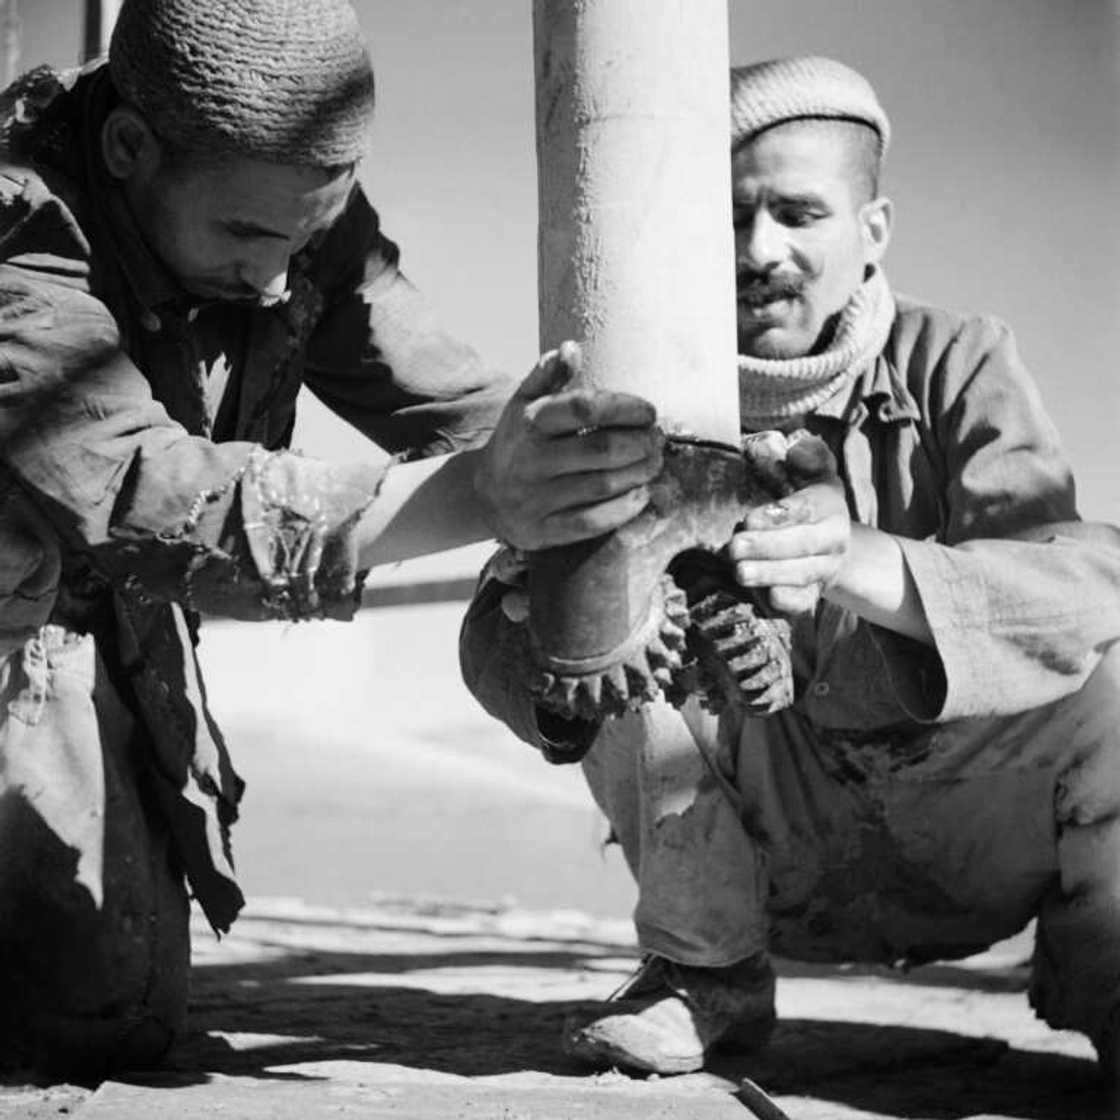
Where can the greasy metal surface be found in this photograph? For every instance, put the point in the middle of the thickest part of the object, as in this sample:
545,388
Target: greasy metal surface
609,631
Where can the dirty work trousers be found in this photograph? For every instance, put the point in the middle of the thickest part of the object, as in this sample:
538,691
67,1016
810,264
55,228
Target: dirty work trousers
828,846
94,947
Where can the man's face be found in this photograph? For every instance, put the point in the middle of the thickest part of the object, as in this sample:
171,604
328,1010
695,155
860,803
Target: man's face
227,231
803,241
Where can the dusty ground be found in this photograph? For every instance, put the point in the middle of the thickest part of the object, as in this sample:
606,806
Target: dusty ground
374,783
418,1011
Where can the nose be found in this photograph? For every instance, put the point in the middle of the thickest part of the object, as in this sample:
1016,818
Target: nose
267,273
759,242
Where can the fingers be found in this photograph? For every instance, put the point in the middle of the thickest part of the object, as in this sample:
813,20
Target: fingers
515,605
814,503
553,371
786,573
795,602
562,413
817,539
571,525
808,457
606,449
574,491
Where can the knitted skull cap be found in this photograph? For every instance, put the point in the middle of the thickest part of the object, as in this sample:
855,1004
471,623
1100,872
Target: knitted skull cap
284,81
784,89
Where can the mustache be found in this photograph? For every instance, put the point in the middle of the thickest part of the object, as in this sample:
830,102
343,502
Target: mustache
756,287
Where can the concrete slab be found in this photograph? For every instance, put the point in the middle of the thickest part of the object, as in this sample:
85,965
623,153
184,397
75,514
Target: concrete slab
250,1099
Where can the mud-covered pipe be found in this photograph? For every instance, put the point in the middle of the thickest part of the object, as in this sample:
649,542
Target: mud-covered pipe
636,263
635,246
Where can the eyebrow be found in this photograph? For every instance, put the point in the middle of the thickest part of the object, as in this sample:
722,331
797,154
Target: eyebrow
236,225
810,198
798,198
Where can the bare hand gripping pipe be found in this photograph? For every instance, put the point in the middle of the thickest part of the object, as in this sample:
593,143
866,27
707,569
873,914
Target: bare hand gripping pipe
636,262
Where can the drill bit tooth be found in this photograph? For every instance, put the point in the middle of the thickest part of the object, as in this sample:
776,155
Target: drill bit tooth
639,682
614,683
591,691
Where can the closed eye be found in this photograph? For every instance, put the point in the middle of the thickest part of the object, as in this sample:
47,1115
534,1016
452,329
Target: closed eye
798,211
250,231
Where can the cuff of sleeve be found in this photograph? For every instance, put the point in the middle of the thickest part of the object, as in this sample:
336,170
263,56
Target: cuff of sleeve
915,672
300,518
1008,630
951,604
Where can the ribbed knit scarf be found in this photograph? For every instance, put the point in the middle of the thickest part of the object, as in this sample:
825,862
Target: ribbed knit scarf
774,390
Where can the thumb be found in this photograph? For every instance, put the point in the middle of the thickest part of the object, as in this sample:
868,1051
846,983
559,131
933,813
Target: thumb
515,605
808,457
553,372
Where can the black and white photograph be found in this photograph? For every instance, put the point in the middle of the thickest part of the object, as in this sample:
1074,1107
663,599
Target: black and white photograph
560,559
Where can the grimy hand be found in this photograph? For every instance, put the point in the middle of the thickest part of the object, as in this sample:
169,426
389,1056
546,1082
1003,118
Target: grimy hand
797,546
565,464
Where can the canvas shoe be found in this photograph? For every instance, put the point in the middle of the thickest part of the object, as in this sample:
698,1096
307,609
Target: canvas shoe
668,1017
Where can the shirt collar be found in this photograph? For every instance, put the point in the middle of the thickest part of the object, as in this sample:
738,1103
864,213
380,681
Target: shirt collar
878,391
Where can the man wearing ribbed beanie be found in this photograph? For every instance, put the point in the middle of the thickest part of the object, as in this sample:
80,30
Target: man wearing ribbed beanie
950,766
183,245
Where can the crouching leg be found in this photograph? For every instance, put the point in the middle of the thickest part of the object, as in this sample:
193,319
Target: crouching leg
1076,967
94,947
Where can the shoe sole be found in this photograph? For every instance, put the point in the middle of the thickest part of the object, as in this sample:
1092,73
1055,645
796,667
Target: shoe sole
606,1056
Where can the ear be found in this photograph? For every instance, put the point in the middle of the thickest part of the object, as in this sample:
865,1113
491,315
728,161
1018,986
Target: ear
128,144
876,219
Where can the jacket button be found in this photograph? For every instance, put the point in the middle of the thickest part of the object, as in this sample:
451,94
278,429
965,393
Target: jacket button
821,688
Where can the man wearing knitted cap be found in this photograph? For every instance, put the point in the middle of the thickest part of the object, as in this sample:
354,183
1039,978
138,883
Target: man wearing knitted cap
950,766
183,244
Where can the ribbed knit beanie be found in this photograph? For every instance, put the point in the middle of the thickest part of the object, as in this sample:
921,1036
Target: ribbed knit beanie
785,89
284,81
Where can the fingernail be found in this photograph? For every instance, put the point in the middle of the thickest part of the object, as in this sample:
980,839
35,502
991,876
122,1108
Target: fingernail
777,513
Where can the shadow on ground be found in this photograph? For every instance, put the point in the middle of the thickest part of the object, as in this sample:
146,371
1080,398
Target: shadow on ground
262,1018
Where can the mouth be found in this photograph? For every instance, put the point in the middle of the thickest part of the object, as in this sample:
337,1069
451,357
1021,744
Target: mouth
766,307
766,300
234,296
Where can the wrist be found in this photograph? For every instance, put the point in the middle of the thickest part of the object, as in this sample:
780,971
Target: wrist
482,483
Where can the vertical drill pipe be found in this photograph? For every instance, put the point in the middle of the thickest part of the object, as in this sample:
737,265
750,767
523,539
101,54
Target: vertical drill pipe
100,15
635,246
636,263
9,41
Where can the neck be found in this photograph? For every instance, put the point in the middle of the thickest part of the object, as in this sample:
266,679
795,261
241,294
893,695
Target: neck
774,390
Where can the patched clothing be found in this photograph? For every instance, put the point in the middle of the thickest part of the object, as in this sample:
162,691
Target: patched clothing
915,801
142,471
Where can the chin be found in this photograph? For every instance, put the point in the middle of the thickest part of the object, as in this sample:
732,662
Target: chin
774,346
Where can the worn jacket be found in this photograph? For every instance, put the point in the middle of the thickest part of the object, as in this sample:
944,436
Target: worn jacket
943,442
142,476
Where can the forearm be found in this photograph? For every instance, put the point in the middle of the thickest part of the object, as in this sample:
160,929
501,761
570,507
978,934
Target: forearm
421,507
875,583
1018,623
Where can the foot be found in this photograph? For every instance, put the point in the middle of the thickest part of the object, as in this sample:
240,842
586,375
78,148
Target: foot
668,1017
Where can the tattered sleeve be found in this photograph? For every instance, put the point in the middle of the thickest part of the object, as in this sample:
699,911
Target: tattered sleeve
1020,604
381,361
223,527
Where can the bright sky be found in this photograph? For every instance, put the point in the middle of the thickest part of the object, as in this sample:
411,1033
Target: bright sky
1004,170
